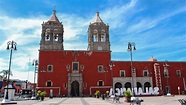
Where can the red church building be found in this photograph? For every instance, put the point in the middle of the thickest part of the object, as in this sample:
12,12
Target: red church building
77,72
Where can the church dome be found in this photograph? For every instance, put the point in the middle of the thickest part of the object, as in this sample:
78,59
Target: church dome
152,59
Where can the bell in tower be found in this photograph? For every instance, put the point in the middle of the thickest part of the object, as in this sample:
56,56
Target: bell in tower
52,34
98,35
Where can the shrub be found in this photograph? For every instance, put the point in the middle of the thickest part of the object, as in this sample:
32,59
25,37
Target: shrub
97,92
41,93
127,93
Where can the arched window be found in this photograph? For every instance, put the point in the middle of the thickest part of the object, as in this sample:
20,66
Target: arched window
49,68
95,35
95,38
55,37
100,68
103,38
47,35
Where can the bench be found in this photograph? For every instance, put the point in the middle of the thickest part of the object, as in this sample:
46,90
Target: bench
182,101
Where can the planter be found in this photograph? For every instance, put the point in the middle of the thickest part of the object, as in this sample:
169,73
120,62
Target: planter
97,96
127,99
97,93
127,94
41,98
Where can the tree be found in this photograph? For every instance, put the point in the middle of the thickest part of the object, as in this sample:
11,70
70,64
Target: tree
4,74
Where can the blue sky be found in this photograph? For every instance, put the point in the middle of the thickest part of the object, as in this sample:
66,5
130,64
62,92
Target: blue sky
158,27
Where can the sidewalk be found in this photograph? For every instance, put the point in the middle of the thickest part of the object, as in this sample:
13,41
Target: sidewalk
152,100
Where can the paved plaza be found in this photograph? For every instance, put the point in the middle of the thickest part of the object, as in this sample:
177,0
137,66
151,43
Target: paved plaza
153,100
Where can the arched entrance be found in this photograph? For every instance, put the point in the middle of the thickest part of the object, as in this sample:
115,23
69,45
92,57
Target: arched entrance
74,89
117,85
127,85
146,85
139,85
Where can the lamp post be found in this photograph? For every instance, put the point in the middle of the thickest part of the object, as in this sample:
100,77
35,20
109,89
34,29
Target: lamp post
111,65
11,45
43,71
35,64
167,76
105,71
131,47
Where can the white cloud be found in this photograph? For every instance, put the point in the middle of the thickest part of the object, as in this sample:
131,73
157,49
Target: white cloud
26,33
23,76
73,25
116,16
15,29
3,64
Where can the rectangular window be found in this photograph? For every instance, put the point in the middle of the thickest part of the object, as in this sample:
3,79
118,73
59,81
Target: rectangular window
50,68
178,73
145,73
166,73
100,68
122,73
75,66
49,83
100,83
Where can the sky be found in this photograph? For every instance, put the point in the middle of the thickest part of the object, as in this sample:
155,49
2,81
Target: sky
157,27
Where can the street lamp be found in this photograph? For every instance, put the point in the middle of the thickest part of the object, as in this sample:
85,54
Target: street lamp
11,45
131,47
43,71
111,65
166,74
105,71
34,63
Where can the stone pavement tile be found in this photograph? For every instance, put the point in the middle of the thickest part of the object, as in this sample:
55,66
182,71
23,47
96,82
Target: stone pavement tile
72,101
162,100
96,101
54,101
152,100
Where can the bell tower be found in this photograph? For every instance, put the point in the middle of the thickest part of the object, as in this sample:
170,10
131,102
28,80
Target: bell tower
52,34
98,35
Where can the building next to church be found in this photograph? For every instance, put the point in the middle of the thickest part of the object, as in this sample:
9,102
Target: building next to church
77,72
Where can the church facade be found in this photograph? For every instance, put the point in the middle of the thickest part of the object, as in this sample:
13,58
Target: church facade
82,72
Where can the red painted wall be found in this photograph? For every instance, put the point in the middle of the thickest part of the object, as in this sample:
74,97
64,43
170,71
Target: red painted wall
59,76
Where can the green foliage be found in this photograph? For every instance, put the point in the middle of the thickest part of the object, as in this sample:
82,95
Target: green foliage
97,92
107,92
41,93
4,74
127,93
